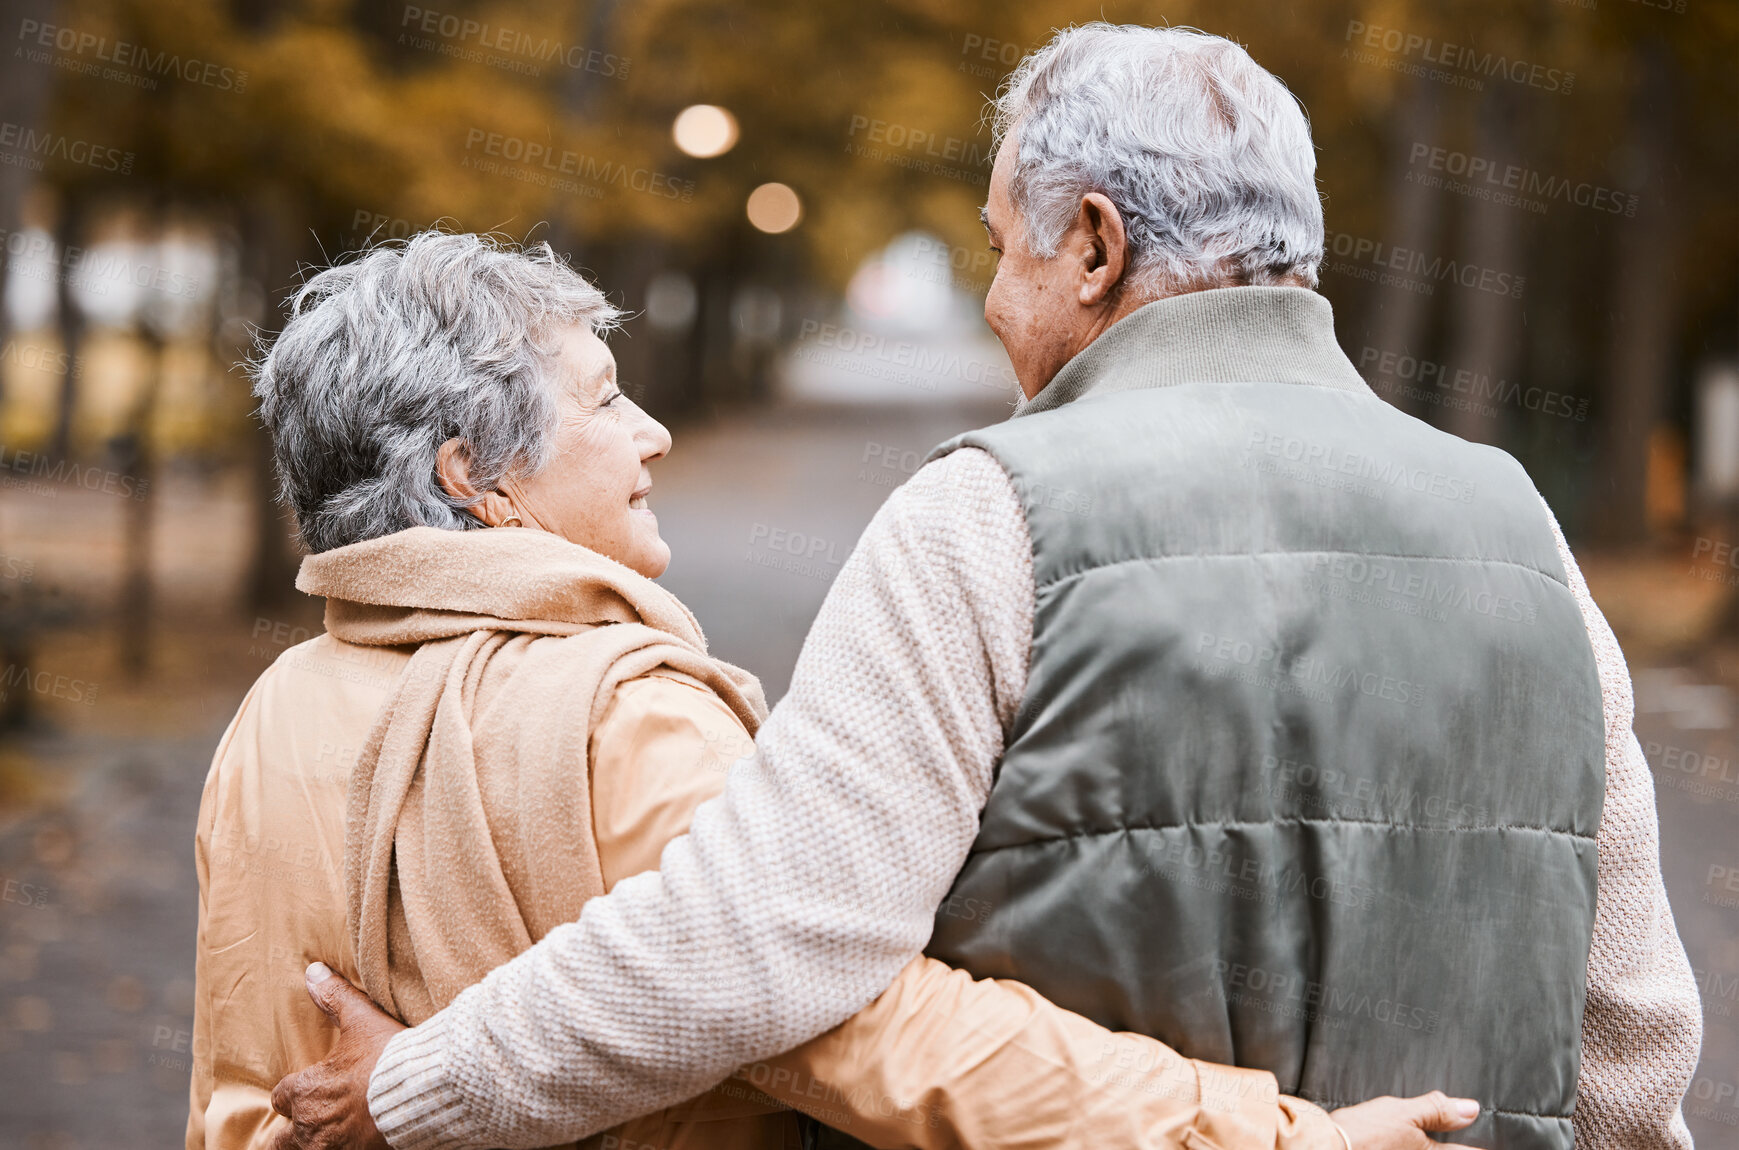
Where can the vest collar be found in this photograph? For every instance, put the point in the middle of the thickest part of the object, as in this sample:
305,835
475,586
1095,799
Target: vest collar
1223,335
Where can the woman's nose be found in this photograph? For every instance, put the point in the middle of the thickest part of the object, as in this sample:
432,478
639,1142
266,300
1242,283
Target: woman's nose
654,438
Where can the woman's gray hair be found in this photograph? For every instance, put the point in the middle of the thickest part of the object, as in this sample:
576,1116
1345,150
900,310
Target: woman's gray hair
391,354
1206,155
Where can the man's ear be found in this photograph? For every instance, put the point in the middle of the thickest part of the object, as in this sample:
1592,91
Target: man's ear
453,473
1104,250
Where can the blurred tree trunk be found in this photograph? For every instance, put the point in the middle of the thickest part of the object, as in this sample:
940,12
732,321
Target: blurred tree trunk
1485,334
69,316
136,457
634,264
1643,312
23,95
597,31
23,98
719,386
580,93
1398,321
269,253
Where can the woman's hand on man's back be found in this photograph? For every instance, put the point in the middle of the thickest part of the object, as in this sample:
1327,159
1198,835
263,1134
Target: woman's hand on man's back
1389,1123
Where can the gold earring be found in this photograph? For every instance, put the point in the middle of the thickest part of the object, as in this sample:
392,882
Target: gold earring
512,521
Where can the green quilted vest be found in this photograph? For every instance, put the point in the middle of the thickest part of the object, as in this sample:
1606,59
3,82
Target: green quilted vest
1311,758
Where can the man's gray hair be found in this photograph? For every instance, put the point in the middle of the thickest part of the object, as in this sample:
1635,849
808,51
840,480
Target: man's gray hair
391,354
1206,155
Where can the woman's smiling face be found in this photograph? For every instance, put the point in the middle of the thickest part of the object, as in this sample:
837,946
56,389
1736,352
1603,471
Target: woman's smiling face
593,489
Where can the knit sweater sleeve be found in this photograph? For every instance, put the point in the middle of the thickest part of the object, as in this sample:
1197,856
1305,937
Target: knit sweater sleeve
800,892
1642,1028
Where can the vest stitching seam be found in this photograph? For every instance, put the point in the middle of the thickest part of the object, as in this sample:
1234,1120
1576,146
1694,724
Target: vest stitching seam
1043,587
1284,822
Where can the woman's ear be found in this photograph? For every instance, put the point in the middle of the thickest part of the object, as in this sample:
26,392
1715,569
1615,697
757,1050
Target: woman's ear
453,473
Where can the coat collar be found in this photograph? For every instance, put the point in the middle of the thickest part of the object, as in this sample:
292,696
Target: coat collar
1223,335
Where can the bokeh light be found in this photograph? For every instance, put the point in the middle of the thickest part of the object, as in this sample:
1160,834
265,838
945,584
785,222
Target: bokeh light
774,208
705,130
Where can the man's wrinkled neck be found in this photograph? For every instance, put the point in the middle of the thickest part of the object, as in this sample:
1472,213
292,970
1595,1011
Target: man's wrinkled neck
1127,304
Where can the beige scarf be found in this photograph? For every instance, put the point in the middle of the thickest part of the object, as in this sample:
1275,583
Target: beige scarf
469,830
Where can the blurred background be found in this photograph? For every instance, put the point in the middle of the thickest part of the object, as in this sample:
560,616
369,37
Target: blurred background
1533,226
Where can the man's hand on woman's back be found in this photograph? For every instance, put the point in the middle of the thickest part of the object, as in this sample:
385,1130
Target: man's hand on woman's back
327,1103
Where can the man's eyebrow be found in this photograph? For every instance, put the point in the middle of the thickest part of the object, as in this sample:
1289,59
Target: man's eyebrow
984,218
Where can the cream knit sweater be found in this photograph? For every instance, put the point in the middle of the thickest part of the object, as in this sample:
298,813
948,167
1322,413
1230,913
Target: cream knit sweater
802,891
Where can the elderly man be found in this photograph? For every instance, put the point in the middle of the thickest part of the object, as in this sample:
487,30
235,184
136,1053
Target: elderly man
1220,702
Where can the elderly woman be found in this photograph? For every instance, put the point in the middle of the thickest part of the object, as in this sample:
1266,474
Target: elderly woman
507,717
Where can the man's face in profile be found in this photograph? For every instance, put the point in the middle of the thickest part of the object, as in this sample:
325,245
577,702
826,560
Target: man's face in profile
1045,309
1028,305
